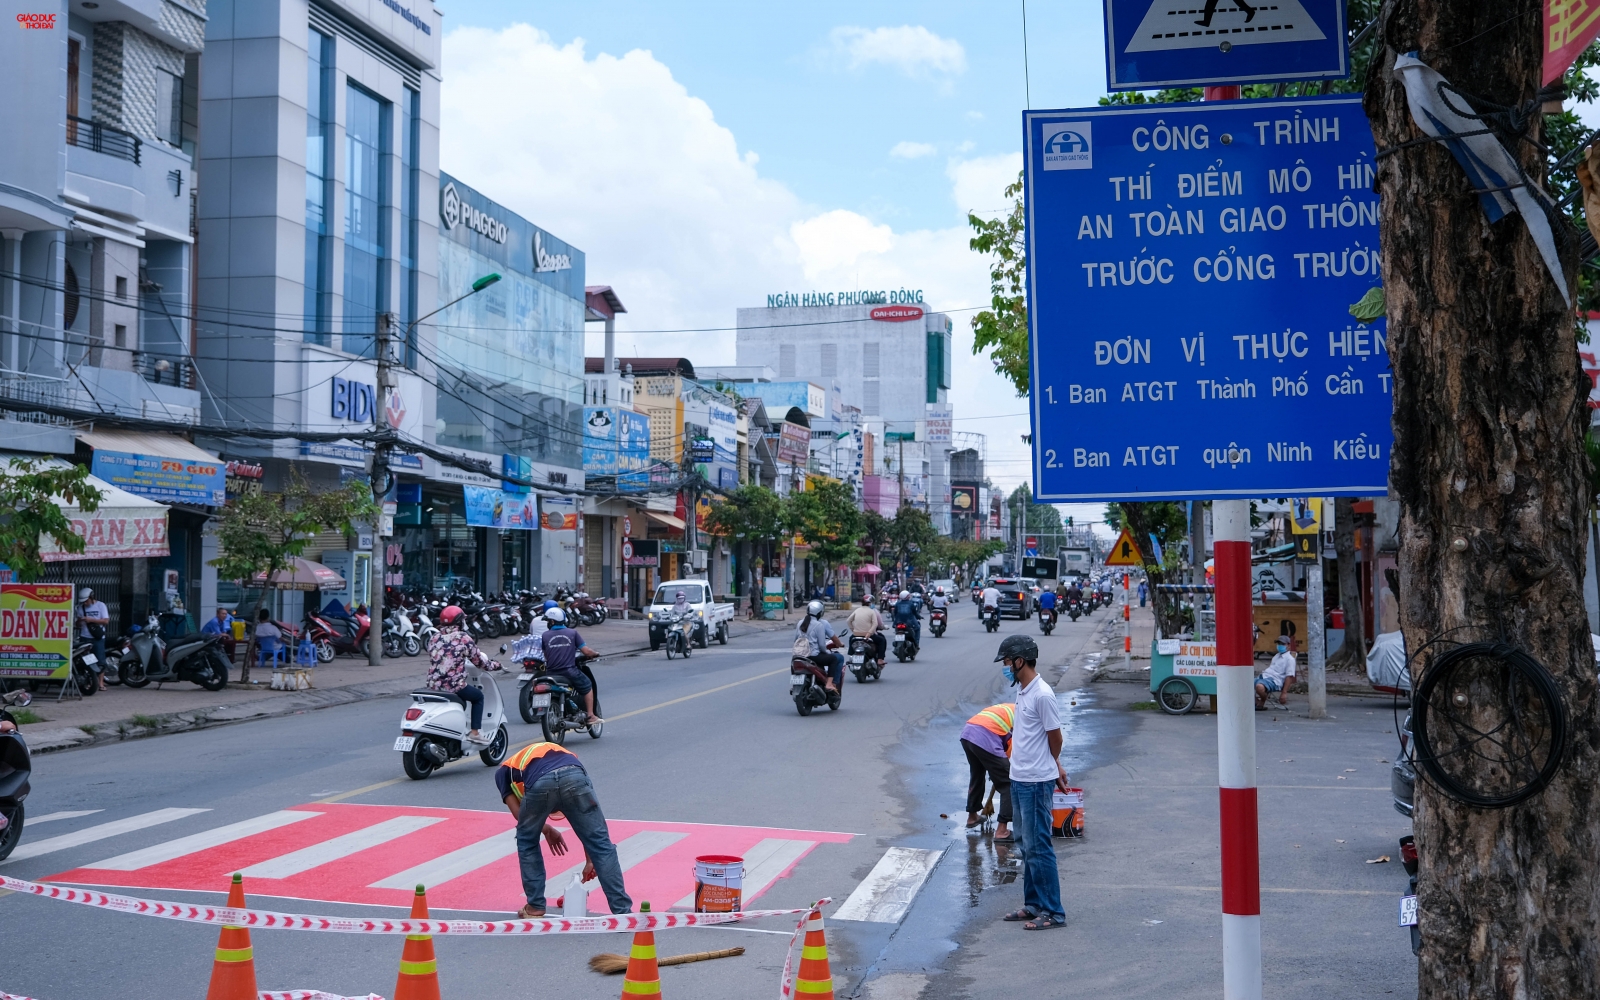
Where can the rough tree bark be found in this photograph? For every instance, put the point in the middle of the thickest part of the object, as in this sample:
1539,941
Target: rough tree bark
1489,418
1353,654
1168,609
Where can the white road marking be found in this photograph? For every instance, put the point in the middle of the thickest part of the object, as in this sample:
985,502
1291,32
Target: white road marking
342,846
135,860
762,864
455,864
102,832
634,850
886,893
52,817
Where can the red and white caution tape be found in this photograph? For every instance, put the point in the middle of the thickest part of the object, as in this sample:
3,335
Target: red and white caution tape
265,995
366,925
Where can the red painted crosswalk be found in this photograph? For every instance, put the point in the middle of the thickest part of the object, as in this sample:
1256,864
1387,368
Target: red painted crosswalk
376,854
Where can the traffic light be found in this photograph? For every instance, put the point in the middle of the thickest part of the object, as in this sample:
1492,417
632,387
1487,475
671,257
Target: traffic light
1069,522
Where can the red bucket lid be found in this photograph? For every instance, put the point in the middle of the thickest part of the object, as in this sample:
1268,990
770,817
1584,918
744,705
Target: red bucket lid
718,859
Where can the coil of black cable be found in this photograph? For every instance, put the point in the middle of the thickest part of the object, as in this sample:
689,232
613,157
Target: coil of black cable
1532,703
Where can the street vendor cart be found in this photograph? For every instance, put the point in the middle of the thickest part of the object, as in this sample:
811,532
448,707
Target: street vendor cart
1184,668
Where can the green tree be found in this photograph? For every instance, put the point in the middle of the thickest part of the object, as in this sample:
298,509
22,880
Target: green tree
259,534
875,531
750,513
910,533
1169,523
1002,329
31,494
827,517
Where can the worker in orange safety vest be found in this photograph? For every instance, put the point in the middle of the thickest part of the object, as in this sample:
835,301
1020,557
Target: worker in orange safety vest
987,743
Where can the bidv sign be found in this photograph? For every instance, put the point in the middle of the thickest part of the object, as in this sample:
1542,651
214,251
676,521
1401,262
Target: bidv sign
1191,274
354,401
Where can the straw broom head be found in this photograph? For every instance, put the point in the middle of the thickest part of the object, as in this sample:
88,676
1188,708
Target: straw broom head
608,964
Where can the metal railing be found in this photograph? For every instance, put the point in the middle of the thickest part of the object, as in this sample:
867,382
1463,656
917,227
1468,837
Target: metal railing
103,138
163,369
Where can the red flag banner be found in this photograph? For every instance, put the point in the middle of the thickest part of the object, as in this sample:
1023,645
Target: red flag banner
1569,26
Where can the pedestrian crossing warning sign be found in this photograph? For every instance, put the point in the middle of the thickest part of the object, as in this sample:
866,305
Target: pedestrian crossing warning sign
1202,25
1125,552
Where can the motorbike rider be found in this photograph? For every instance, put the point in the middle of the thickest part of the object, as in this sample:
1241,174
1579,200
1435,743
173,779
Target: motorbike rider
906,613
449,651
561,648
1075,592
1047,602
92,621
940,602
822,638
866,622
989,599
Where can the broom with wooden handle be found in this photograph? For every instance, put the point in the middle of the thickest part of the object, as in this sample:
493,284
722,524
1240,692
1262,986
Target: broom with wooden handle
611,965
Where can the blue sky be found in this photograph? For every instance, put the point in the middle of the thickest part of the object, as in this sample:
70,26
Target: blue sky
706,155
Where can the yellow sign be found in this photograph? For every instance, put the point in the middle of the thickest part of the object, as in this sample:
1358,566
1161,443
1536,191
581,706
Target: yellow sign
1125,552
36,630
1306,525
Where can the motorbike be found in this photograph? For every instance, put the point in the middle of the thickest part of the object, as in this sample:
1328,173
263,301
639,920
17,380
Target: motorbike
905,646
1408,903
862,659
399,635
196,657
1074,609
991,618
587,610
422,624
83,664
434,729
938,620
551,701
678,635
332,636
15,768
808,686
1047,620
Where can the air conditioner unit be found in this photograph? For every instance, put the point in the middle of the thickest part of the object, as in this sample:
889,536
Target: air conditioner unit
697,558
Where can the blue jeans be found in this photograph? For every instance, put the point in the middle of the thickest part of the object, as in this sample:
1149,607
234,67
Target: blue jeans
474,697
568,790
1041,883
833,663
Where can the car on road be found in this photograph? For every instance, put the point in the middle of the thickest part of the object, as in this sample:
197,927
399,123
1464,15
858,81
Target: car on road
1016,598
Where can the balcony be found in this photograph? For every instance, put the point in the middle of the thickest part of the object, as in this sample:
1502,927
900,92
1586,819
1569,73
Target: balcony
102,138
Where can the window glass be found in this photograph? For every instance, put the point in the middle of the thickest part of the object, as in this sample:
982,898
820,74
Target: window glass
365,211
319,173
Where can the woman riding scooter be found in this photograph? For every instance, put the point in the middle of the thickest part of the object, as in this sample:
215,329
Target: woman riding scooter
449,652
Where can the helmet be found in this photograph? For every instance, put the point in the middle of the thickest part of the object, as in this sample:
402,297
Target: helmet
555,615
814,609
905,595
85,593
939,591
679,595
449,615
1017,646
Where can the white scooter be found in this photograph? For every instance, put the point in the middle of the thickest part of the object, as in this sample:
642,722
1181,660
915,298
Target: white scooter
434,730
398,634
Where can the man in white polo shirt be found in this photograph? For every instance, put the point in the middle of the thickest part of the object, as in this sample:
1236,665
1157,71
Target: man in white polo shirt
1036,773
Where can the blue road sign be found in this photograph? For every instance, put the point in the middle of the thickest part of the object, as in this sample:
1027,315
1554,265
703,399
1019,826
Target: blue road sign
1190,43
1190,273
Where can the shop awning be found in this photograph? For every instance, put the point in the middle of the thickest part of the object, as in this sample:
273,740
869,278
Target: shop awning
665,520
124,526
156,466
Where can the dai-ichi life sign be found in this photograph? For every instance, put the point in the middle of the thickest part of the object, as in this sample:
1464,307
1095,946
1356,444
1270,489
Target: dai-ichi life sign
35,630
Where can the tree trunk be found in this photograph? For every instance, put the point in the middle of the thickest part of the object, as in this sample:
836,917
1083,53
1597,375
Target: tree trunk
1168,608
1353,654
1491,475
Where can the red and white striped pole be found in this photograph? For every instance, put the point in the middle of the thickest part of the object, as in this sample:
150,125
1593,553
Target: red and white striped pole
1236,754
1127,626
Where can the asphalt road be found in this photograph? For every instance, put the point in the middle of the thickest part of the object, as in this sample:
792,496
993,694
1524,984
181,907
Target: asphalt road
713,740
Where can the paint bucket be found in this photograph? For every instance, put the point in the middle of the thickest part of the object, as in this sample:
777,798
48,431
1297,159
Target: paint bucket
1066,813
718,883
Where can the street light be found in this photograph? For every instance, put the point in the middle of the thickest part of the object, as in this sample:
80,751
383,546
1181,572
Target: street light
380,451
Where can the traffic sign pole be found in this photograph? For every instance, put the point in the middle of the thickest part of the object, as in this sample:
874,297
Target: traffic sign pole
1127,626
1236,754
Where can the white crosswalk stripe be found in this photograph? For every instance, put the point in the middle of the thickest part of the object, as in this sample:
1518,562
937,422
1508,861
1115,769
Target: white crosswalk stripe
68,814
103,831
172,849
454,864
342,846
630,852
886,893
763,863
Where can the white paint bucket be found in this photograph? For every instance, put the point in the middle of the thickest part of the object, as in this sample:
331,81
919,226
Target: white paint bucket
718,883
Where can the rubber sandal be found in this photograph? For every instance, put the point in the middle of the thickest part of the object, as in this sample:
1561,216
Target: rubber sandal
1009,838
1023,914
1044,923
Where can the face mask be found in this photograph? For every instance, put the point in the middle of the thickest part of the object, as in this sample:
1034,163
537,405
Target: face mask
1010,677
1283,649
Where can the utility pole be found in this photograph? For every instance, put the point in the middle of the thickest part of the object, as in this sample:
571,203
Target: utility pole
1317,654
380,485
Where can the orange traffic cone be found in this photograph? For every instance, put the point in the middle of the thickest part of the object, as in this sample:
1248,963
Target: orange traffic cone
643,979
814,980
419,973
233,973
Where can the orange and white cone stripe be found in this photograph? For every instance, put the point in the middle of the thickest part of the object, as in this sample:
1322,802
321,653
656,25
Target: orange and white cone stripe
643,980
419,971
233,971
815,978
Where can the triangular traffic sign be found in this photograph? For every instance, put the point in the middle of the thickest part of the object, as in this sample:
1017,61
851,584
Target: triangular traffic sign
1125,552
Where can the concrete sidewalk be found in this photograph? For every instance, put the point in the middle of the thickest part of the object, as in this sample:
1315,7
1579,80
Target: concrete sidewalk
121,712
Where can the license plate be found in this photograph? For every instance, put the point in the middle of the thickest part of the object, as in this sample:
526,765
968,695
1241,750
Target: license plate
541,701
797,682
90,659
899,639
856,661
524,678
1408,911
405,743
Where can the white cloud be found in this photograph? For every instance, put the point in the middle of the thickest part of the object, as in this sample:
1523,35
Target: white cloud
619,159
914,51
907,150
979,184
